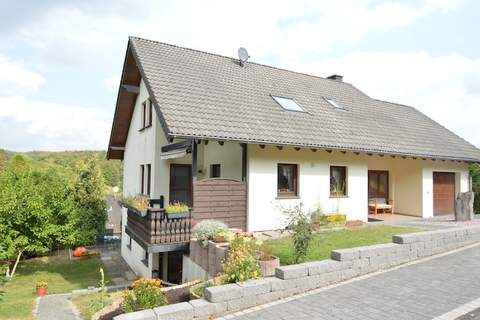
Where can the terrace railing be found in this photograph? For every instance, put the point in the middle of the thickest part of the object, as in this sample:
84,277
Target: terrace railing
157,227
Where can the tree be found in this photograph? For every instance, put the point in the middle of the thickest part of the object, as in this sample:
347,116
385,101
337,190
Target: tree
89,197
31,211
475,174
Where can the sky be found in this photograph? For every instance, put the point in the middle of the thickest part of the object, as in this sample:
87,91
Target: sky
61,61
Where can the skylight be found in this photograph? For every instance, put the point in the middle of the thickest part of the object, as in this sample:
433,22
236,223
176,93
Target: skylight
288,104
333,103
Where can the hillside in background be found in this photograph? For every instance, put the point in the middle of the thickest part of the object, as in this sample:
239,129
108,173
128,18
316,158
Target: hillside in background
65,161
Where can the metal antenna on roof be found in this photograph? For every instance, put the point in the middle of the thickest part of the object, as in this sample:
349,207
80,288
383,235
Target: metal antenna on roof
243,55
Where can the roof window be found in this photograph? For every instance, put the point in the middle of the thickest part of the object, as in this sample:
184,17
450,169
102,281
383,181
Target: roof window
333,103
288,104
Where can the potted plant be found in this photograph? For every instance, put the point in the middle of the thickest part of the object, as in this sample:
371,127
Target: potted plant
177,210
41,287
138,204
268,262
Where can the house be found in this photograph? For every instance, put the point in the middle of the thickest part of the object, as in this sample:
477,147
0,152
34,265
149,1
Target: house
236,141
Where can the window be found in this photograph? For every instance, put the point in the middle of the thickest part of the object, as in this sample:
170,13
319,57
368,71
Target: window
145,179
145,258
129,245
333,103
142,179
146,118
148,121
338,181
149,176
287,180
288,104
378,184
215,171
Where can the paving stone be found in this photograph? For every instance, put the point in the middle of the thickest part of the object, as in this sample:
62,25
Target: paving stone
419,291
241,303
223,293
203,308
268,297
291,272
257,286
139,315
345,254
323,266
177,311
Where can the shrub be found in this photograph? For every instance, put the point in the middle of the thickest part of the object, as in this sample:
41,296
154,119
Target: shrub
145,294
302,234
242,262
208,230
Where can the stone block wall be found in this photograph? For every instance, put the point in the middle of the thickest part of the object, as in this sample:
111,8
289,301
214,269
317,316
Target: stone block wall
208,258
295,279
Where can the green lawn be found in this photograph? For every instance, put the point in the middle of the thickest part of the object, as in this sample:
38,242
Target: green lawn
61,274
324,242
89,304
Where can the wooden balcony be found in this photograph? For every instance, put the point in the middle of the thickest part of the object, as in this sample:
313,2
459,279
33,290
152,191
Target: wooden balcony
157,228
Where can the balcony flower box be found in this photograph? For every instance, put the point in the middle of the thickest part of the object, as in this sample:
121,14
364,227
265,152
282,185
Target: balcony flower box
177,211
138,204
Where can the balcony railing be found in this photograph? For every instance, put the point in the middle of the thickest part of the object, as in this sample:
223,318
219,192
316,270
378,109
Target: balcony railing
156,227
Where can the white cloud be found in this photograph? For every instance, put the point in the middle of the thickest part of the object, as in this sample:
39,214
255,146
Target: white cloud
447,88
28,125
17,79
76,34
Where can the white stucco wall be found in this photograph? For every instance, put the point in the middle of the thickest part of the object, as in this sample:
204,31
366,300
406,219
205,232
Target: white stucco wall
410,183
314,184
462,181
139,149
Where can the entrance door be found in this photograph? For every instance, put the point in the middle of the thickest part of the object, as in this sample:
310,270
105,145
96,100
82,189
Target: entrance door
443,193
181,183
378,185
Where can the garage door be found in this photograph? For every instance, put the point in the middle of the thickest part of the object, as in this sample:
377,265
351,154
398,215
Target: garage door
443,193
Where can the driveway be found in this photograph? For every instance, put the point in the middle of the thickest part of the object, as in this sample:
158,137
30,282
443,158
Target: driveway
423,290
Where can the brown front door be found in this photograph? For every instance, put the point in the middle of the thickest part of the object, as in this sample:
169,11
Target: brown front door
181,183
443,193
378,185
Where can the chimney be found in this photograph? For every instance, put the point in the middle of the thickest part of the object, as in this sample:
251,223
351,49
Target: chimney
336,77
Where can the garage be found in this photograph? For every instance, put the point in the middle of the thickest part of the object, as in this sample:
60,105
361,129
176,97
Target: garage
443,193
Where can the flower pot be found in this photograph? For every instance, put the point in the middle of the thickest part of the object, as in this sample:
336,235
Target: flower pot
178,215
42,291
268,266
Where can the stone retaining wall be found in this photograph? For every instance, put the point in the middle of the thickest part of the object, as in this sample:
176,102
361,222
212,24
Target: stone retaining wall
295,279
208,258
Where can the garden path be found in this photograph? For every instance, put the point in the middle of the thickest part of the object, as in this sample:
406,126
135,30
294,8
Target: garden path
56,306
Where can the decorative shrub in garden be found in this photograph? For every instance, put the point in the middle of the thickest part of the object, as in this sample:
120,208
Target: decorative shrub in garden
242,262
209,230
145,294
299,224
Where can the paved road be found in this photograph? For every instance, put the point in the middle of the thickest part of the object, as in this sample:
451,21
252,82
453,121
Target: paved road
420,291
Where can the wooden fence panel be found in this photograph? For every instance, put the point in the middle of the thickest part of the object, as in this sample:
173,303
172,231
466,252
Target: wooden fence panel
221,199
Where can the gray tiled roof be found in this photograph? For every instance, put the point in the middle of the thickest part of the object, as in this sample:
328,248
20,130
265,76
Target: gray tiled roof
210,96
